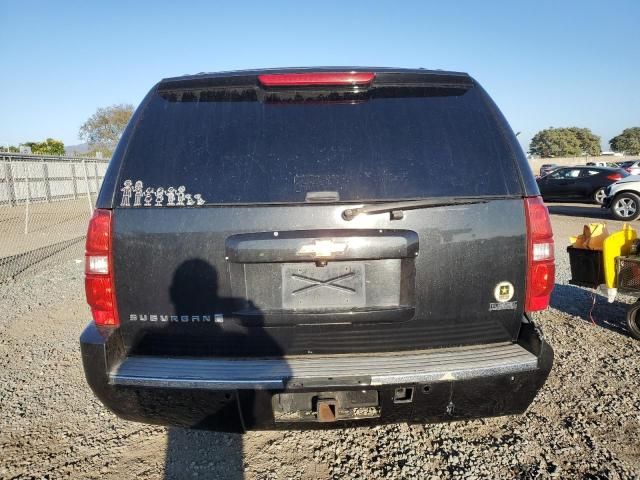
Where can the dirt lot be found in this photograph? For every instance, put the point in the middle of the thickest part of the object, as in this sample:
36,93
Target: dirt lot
584,424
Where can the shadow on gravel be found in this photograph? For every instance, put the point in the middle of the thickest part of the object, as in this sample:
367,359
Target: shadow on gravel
578,302
205,452
588,211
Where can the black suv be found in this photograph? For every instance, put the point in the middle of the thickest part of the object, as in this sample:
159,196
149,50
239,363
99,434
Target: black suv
317,247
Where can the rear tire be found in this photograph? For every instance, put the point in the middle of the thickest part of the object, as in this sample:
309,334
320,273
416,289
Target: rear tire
626,206
633,320
599,196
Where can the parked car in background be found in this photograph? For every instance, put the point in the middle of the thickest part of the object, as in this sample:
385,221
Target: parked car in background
631,166
622,198
547,168
599,164
579,184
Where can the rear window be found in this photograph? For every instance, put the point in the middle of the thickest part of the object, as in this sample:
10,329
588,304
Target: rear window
241,146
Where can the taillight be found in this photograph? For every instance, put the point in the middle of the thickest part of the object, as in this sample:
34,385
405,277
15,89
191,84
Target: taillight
540,267
98,283
614,177
318,78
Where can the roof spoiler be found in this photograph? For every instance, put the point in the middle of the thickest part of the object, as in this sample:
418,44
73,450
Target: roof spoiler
383,77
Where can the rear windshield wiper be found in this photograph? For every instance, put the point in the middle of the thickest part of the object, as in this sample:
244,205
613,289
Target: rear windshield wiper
397,208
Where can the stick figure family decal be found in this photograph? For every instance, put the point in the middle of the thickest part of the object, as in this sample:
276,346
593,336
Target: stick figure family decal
175,197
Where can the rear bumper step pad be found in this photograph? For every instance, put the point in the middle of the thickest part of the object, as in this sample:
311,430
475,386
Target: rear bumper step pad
324,370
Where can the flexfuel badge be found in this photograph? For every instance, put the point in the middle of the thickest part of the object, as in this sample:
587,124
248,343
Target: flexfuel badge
503,293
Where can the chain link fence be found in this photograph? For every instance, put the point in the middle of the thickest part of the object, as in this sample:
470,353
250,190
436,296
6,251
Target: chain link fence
45,206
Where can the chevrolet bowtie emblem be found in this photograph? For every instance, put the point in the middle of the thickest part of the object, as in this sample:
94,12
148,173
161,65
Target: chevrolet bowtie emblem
323,248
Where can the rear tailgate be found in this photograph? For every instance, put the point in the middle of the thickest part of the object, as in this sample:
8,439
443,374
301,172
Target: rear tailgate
216,251
187,286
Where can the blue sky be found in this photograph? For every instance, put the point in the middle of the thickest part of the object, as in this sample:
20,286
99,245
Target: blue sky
546,63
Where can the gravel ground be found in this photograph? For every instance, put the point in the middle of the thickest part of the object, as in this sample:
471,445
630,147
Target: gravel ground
585,423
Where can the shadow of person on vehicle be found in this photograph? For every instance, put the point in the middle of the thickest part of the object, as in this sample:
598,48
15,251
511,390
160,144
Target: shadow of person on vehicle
210,454
579,302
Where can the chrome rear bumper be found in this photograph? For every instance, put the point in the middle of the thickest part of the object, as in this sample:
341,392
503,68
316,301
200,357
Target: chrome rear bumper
238,394
326,371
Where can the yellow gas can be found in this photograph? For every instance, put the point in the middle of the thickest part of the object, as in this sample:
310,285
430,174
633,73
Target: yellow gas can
616,244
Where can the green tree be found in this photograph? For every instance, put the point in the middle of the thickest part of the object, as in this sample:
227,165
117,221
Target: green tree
627,142
105,127
48,147
555,142
589,142
565,142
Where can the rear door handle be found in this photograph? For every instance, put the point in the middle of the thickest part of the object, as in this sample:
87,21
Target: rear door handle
311,245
